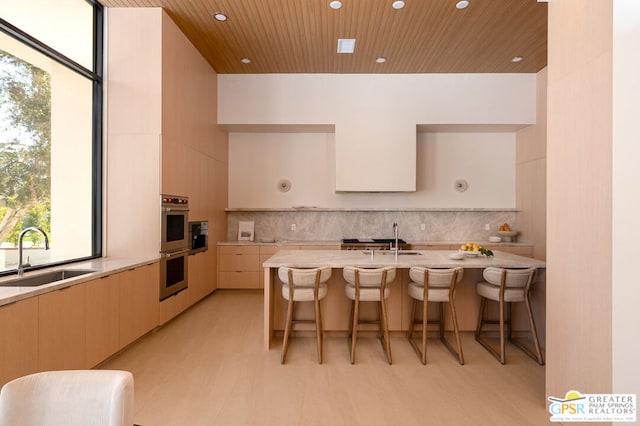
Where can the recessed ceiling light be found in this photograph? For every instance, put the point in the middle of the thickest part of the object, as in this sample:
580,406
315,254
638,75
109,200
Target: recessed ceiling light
346,45
335,4
462,4
398,4
219,16
245,60
517,59
381,60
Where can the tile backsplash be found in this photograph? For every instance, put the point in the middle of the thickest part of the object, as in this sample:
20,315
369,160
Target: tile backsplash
453,225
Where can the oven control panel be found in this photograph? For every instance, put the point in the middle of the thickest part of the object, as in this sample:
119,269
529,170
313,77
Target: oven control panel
173,200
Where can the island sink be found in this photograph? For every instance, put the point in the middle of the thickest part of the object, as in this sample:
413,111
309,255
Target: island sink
393,253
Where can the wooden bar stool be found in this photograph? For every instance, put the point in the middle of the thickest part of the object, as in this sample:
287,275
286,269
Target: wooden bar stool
303,285
369,285
507,286
434,285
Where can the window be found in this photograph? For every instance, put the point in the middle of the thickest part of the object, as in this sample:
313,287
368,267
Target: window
50,131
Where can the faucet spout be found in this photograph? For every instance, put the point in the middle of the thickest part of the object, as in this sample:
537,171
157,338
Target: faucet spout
395,236
21,265
395,233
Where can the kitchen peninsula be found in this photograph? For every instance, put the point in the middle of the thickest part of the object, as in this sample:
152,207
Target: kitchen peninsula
336,306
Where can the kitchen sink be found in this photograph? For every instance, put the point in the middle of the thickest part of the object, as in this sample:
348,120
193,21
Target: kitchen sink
46,278
392,253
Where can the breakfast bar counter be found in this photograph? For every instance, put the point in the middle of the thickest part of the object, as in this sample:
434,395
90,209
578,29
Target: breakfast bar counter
336,307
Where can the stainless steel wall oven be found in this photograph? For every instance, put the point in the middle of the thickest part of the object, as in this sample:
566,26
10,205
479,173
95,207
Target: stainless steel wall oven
174,245
173,273
175,223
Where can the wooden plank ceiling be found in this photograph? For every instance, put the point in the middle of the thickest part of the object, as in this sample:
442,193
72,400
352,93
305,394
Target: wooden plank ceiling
300,36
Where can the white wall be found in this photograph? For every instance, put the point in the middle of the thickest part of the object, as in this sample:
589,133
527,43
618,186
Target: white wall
338,98
257,161
626,233
376,116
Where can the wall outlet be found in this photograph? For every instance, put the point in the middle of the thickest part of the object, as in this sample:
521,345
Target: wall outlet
423,227
487,227
293,226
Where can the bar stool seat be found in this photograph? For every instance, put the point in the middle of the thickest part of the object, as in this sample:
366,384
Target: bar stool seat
434,285
507,286
303,285
369,285
366,294
435,294
304,294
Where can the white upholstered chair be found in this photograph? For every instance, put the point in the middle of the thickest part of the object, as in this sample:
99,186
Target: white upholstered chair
69,398
434,285
507,286
303,285
369,285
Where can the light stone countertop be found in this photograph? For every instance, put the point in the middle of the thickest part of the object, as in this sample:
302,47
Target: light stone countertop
369,209
426,258
285,243
102,267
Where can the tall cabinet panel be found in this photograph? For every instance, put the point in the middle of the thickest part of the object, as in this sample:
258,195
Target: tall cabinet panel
138,312
168,141
62,335
18,339
103,326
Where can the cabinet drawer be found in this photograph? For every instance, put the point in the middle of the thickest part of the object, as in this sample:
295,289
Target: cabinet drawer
314,247
433,247
239,280
519,250
239,249
239,262
269,251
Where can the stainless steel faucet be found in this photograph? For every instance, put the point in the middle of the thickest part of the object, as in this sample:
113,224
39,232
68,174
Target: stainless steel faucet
395,236
21,265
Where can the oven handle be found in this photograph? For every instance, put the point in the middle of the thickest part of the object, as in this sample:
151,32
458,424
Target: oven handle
176,253
175,209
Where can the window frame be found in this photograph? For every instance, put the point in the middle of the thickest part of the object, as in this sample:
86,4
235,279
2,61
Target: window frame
96,78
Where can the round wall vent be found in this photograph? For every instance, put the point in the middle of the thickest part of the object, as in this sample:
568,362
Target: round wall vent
284,185
460,185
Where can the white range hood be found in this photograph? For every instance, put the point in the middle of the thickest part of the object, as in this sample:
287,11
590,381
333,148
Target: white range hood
375,157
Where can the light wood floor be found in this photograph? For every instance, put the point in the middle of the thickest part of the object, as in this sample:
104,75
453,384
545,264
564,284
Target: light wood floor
207,367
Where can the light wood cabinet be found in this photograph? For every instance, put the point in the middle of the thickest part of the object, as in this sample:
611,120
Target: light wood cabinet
519,250
103,318
266,252
79,326
239,267
433,247
139,302
173,306
62,329
200,281
316,247
18,339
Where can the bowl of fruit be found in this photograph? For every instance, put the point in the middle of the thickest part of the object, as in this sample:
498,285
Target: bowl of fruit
473,249
470,249
507,233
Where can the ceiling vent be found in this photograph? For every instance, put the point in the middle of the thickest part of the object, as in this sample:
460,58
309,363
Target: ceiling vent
346,45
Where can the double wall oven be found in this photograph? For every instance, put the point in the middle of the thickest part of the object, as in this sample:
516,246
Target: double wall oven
175,245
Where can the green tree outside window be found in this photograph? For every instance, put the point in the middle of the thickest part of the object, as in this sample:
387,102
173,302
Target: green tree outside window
25,159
